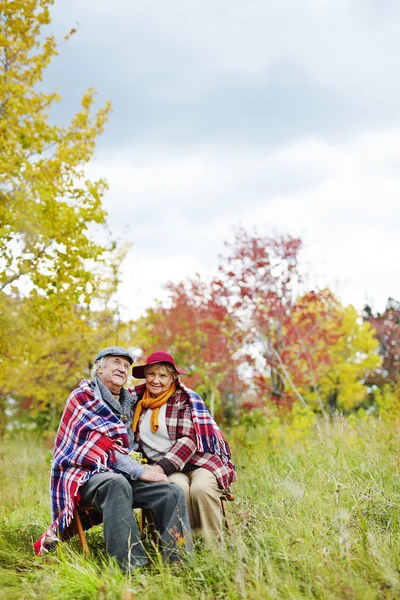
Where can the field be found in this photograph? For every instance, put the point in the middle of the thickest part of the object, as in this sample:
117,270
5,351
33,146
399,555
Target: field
316,515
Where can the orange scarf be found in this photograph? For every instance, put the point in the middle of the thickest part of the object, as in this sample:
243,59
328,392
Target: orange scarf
154,403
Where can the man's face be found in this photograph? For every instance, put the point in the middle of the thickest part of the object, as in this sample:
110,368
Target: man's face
114,373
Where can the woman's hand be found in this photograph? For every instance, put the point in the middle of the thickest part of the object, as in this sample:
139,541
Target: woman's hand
153,474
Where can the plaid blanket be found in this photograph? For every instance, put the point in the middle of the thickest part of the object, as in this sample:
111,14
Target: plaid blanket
197,438
88,434
208,435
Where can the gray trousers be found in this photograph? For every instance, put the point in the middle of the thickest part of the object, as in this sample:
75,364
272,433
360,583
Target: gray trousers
114,496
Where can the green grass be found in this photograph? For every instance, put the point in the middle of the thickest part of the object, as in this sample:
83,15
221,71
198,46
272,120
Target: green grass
316,515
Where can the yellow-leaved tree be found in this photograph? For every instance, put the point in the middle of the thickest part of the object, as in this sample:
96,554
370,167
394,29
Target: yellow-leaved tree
53,364
354,352
47,204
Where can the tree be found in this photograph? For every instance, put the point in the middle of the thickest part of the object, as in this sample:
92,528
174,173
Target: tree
387,332
311,328
315,351
347,358
251,330
46,203
54,365
201,334
48,259
258,282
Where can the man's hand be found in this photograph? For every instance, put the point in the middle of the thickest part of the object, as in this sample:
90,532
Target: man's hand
159,469
151,474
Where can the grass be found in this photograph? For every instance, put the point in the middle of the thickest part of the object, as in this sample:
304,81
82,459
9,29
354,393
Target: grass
316,515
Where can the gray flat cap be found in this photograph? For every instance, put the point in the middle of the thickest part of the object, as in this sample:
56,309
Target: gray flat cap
115,351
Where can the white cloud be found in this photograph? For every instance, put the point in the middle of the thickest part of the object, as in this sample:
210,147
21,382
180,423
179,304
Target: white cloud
182,208
180,200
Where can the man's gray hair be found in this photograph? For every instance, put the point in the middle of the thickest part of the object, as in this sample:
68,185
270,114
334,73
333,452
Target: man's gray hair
99,363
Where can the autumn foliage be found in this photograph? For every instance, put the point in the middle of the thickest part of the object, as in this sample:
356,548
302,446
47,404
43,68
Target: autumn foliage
51,268
253,333
387,332
202,334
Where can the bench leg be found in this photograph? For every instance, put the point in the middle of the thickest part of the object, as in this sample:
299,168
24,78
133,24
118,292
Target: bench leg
225,516
81,534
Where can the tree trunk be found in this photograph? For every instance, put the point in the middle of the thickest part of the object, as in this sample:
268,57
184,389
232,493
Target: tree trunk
212,404
3,417
332,401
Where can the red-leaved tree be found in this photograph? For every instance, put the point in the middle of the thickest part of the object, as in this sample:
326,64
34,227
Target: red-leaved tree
202,335
387,327
259,283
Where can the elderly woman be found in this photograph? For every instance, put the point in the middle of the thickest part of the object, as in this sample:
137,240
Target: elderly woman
177,434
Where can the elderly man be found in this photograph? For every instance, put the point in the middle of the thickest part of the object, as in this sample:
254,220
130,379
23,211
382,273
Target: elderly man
91,466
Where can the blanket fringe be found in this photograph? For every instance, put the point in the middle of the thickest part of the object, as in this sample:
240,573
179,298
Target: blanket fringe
214,445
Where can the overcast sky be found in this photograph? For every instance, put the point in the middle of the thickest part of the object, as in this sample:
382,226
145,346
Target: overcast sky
283,115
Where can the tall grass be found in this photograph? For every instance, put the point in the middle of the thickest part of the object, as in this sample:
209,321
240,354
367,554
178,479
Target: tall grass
316,515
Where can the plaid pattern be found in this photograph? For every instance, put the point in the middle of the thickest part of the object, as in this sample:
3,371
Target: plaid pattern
197,438
88,435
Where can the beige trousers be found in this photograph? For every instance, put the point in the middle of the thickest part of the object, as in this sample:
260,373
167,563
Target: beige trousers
202,494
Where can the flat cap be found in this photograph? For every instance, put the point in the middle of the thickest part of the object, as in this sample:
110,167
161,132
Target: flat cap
115,351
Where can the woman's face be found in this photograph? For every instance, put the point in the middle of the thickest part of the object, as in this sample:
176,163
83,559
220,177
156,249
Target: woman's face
158,380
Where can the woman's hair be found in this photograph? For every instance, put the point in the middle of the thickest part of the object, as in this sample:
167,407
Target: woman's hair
167,366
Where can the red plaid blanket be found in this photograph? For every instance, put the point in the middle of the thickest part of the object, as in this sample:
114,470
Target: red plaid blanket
197,438
86,438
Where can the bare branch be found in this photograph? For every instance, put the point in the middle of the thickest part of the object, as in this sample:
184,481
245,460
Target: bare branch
286,374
